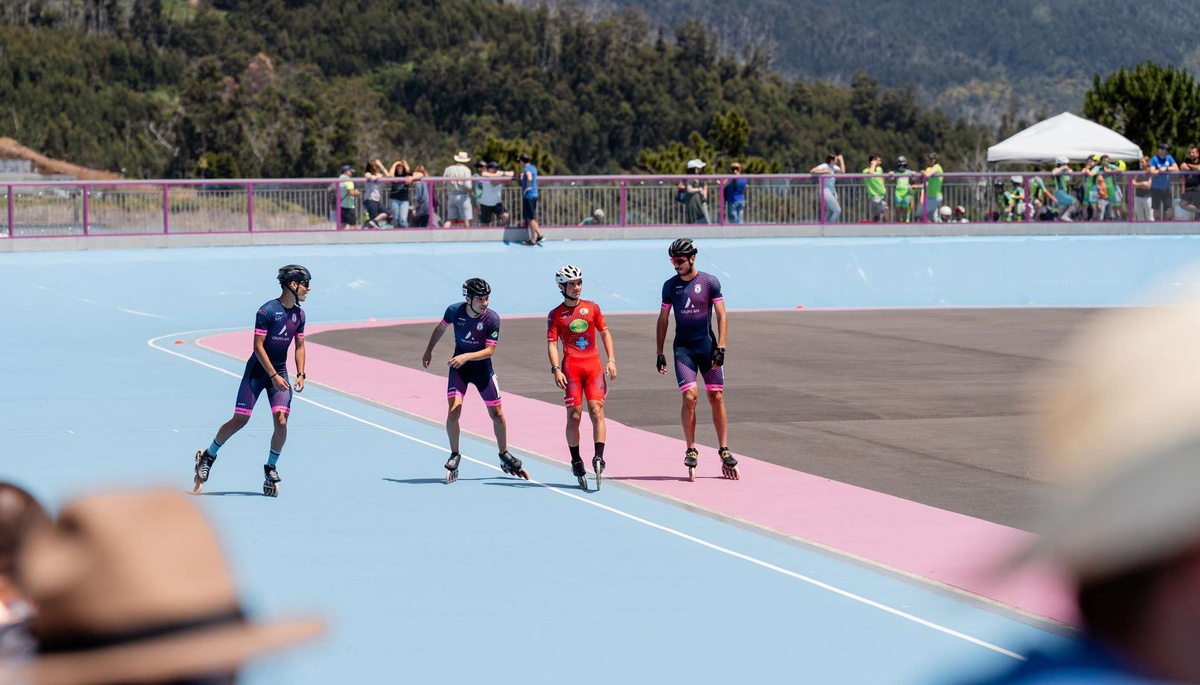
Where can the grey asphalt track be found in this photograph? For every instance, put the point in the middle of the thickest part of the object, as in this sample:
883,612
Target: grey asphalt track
928,405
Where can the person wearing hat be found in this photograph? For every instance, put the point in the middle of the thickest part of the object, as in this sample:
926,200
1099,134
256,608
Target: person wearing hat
20,516
1160,184
903,191
1117,433
596,218
693,193
458,198
945,214
491,204
960,215
133,588
348,192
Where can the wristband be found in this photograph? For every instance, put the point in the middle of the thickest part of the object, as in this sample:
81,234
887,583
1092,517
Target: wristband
301,375
274,375
554,369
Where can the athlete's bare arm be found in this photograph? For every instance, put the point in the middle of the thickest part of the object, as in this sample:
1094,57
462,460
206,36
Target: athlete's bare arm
611,367
438,331
660,334
260,352
722,323
560,378
300,359
458,360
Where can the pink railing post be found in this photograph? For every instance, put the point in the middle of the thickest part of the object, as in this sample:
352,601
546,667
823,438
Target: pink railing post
86,223
337,210
11,209
166,208
250,205
821,194
622,203
721,200
1129,205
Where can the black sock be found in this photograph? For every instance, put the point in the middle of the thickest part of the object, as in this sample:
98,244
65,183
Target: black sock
599,450
575,453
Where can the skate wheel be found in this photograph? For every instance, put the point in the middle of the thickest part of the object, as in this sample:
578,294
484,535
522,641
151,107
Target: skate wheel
582,483
523,474
597,482
692,474
731,472
197,486
271,489
451,476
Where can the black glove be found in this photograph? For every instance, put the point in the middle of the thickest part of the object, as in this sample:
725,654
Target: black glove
662,363
718,356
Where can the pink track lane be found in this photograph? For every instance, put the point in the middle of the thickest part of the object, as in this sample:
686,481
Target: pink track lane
944,547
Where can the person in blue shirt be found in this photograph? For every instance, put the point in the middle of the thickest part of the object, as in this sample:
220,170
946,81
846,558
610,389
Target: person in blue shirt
529,198
278,324
1160,185
735,195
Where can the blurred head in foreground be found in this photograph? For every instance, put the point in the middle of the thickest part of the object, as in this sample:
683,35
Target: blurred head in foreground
1120,431
132,588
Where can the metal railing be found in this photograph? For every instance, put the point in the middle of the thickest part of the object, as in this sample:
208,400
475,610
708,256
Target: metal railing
79,208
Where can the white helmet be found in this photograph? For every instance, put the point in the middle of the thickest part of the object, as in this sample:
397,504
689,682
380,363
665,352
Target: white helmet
567,274
599,213
1061,160
945,210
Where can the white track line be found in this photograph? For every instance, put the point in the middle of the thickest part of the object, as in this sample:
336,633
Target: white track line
657,526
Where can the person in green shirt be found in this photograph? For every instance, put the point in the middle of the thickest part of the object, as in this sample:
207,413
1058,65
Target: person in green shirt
348,193
903,191
932,198
876,192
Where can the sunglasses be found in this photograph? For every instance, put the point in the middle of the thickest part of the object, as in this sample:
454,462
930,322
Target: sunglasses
679,261
305,284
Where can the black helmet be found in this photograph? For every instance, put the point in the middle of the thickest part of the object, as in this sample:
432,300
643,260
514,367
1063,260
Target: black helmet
684,247
293,273
476,287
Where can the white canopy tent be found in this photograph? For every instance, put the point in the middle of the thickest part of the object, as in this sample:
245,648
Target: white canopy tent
1064,135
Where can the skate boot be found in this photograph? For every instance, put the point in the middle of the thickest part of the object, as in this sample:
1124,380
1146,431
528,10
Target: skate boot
271,484
580,472
452,467
512,466
729,467
598,467
204,462
689,460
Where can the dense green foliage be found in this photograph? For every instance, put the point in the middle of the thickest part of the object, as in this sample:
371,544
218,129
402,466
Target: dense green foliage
279,88
1149,105
977,59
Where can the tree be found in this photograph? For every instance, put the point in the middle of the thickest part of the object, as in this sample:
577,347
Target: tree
1149,104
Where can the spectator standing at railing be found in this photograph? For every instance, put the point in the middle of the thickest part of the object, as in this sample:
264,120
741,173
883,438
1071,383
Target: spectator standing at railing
398,201
373,196
834,164
423,206
1190,200
933,186
1114,208
1093,183
477,188
491,206
1061,173
876,191
693,193
529,198
348,192
1040,197
903,192
458,198
1160,184
1142,211
735,195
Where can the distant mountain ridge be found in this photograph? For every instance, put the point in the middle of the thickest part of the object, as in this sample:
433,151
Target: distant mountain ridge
972,58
